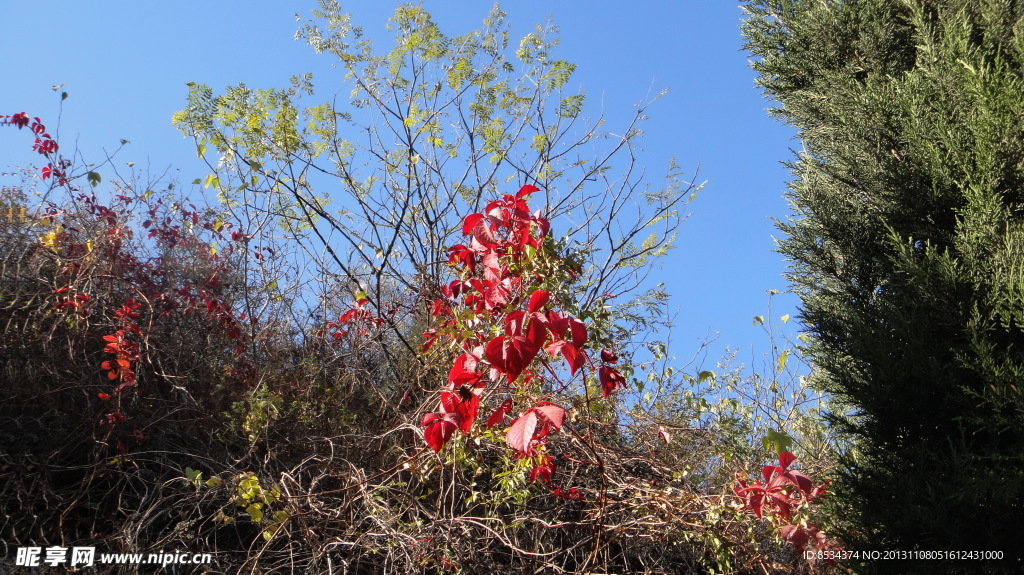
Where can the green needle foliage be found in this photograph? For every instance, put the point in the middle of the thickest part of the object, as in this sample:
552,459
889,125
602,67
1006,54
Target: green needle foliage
906,244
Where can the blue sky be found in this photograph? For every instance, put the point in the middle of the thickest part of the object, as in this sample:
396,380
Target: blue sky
125,65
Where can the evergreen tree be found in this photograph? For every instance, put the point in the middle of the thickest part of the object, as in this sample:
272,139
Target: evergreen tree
906,245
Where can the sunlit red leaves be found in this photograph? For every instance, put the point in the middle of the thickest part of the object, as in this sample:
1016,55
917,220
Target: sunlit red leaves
464,403
464,372
458,411
482,229
20,119
574,357
115,343
494,287
779,496
525,191
511,354
538,300
544,471
498,416
460,254
610,379
529,428
579,332
438,429
506,222
43,143
116,367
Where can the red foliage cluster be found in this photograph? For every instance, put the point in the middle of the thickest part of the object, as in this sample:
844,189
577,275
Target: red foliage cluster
358,321
496,289
44,144
75,246
780,496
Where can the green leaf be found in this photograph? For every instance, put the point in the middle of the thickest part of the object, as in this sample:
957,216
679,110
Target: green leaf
94,178
779,440
758,320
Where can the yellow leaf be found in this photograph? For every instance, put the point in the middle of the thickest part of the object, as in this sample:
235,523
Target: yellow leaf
255,511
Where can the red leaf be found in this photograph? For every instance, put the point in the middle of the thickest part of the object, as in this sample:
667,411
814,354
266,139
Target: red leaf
514,323
573,357
438,429
608,357
544,471
532,426
498,416
103,396
520,433
461,253
557,324
511,355
463,371
470,222
611,380
480,227
536,332
553,415
579,332
818,492
493,270
463,403
796,535
526,190
786,459
496,295
431,336
538,299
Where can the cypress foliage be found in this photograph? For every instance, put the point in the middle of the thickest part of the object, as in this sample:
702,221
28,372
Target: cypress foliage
906,244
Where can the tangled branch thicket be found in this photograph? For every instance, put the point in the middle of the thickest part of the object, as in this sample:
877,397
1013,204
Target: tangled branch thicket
308,423
176,378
